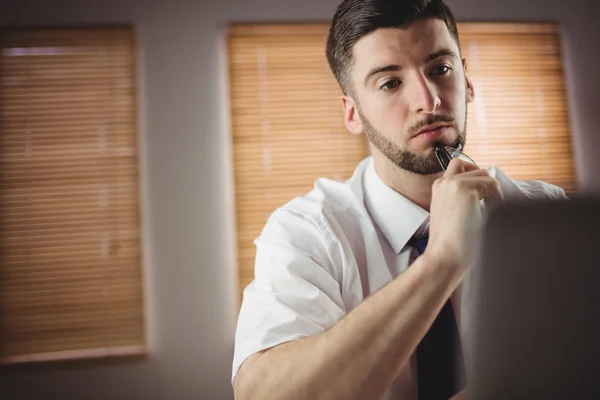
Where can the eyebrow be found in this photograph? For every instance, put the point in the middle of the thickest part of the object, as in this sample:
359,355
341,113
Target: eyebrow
441,53
394,68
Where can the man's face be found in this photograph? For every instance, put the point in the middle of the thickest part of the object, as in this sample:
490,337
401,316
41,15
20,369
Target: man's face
407,80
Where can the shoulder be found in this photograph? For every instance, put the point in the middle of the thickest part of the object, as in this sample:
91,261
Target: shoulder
319,222
327,202
332,196
526,189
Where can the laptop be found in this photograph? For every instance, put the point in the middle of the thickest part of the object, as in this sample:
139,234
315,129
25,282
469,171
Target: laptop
534,320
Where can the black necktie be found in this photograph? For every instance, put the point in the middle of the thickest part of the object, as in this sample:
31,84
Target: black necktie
440,365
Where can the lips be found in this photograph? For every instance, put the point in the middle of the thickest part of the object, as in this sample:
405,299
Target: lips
432,133
432,128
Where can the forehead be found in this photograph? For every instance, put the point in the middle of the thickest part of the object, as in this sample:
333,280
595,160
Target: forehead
401,46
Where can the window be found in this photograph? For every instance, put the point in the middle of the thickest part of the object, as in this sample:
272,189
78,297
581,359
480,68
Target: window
70,268
518,120
288,129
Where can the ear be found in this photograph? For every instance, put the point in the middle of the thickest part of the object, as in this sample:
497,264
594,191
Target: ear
351,117
470,89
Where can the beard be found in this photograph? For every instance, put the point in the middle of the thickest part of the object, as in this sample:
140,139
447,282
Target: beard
417,163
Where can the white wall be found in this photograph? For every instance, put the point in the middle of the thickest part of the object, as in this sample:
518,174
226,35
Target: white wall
186,175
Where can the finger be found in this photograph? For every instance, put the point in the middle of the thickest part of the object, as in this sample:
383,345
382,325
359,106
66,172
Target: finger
458,166
476,172
485,187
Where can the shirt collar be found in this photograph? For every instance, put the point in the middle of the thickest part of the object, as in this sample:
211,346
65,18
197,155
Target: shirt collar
397,217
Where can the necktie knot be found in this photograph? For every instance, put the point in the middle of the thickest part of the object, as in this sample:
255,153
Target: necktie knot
419,243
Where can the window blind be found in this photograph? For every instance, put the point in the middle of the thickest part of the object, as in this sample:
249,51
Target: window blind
70,267
288,126
519,118
287,122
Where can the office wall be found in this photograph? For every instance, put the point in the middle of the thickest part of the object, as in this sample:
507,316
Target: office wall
187,178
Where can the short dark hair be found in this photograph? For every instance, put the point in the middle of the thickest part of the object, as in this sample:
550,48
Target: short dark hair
355,19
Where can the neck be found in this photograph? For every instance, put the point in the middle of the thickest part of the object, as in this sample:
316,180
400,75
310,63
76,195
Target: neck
417,188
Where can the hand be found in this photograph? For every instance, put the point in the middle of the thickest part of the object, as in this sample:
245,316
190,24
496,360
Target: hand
456,214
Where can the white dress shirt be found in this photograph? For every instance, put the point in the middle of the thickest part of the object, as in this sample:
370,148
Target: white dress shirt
322,254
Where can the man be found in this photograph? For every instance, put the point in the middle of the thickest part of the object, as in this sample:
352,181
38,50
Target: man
346,297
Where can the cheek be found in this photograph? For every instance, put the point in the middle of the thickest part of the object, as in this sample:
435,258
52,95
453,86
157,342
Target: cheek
394,117
455,95
386,111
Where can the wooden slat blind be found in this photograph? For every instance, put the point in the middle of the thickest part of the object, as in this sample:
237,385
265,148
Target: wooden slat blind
70,268
288,128
519,119
287,124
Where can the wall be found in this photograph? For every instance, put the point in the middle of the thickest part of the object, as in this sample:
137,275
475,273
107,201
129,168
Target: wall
187,178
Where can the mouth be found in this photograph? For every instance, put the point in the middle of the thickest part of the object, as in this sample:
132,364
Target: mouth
432,132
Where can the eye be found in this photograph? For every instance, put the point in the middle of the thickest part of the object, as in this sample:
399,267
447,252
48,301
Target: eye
390,85
441,70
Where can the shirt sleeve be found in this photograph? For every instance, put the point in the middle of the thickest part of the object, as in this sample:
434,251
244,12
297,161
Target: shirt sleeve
296,290
528,189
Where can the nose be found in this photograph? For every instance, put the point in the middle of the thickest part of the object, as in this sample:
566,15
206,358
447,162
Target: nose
423,96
